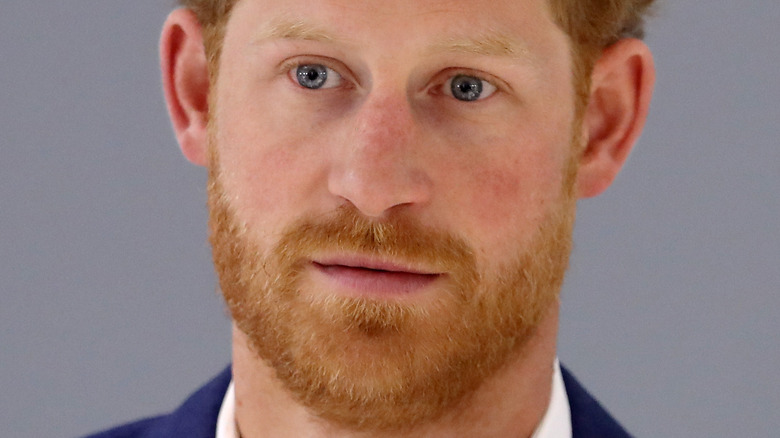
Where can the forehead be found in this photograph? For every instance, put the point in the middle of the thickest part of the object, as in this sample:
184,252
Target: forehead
514,27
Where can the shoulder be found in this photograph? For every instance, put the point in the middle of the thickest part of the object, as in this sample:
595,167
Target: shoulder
588,418
136,429
195,418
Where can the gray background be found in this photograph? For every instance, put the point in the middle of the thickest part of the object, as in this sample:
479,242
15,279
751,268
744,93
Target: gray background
109,309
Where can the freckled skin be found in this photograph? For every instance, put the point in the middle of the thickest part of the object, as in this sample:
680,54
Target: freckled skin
497,166
392,139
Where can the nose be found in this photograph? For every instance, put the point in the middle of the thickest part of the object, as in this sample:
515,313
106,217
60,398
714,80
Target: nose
382,163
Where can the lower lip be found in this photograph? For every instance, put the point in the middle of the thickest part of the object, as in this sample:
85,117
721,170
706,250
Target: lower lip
376,282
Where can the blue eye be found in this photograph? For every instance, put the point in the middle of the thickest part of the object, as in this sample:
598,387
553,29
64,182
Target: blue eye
469,88
315,76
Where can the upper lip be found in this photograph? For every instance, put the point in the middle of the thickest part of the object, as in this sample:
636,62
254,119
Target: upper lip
376,264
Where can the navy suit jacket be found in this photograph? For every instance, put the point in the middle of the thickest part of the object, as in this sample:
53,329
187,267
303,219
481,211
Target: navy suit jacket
197,417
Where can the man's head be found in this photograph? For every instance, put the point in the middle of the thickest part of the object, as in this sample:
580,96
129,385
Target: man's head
392,184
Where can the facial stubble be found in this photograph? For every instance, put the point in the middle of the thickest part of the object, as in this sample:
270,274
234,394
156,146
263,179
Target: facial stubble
382,364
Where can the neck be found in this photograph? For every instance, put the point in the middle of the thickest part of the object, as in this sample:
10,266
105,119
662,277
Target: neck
511,403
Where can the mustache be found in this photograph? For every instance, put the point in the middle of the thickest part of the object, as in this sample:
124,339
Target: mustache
397,237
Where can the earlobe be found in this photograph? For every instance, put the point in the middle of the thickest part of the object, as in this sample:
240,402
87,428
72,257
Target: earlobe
186,82
622,86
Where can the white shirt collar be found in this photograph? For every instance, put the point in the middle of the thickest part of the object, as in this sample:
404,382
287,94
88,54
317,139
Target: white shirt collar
556,422
226,423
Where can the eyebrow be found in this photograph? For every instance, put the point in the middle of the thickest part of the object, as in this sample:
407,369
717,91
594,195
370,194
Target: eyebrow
285,29
487,44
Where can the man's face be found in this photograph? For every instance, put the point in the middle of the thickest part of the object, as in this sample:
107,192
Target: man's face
391,194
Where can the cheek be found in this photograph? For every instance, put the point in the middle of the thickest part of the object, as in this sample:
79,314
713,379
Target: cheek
269,153
512,192
511,173
501,200
265,170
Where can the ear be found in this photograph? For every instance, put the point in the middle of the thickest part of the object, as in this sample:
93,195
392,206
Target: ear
621,89
186,82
